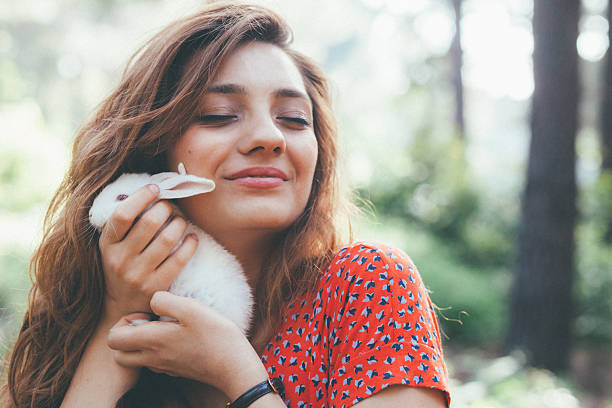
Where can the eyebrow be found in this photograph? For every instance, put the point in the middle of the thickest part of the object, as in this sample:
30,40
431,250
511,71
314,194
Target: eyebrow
291,93
241,90
227,89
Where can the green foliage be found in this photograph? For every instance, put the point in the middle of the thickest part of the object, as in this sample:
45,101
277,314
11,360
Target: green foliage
506,382
437,194
594,261
14,267
598,205
17,181
471,300
12,85
13,293
461,242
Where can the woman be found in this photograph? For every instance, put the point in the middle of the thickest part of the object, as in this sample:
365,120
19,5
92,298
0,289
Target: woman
223,93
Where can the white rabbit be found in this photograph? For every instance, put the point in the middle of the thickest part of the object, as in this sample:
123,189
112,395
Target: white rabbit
212,276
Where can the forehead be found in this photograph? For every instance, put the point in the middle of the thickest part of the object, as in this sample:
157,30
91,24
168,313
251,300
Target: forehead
261,66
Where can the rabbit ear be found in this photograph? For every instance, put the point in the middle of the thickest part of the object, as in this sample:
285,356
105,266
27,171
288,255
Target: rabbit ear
179,185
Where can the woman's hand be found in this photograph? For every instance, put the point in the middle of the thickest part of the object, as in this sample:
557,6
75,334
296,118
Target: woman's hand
136,255
202,345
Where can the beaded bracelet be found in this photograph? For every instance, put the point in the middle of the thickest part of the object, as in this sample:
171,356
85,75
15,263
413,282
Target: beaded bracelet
274,385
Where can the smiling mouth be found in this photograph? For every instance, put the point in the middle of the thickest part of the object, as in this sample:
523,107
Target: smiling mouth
260,173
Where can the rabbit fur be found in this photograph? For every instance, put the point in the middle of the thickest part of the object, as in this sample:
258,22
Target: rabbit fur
212,276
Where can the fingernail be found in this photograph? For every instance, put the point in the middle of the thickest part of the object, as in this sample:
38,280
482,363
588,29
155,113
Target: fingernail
138,322
154,188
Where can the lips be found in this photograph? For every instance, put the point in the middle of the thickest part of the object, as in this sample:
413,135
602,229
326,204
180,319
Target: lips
259,172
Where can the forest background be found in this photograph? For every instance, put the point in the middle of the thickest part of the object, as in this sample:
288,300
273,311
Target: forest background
438,132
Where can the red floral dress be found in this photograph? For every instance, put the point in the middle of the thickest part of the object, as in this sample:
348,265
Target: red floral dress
368,324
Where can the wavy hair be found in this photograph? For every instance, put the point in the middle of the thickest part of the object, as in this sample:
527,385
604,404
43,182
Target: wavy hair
131,131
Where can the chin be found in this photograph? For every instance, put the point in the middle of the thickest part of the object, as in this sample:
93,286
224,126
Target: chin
266,216
272,223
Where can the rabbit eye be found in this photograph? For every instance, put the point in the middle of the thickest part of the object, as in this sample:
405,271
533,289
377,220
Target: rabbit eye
122,197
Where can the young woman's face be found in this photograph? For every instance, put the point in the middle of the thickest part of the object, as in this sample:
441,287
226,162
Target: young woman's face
254,137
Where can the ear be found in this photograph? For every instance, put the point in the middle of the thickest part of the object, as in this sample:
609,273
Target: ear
180,185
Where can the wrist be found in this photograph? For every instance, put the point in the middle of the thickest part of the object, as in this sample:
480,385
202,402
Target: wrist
263,394
244,381
243,370
269,400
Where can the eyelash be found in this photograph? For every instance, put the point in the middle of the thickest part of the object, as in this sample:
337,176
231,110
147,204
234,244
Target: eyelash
215,119
218,119
296,120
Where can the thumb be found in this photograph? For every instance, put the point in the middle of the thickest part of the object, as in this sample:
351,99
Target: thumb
167,304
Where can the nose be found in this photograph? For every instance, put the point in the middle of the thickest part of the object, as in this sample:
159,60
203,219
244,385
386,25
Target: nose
262,134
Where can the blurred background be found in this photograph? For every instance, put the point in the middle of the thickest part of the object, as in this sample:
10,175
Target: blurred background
481,131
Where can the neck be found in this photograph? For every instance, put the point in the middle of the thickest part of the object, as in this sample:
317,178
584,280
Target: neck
251,250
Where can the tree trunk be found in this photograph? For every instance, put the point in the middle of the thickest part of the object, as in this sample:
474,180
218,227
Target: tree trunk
457,63
606,118
541,307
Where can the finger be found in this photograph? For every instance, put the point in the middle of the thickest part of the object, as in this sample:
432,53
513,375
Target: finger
135,359
134,319
126,212
178,307
162,245
172,266
155,370
150,223
130,359
127,338
140,337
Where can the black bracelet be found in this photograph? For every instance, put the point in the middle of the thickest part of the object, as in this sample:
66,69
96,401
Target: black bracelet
270,385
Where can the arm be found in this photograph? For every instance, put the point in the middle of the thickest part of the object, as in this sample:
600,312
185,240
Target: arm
99,381
202,345
135,266
397,396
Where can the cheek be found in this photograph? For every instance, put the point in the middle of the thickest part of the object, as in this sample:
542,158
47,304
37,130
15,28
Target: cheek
307,155
182,150
198,151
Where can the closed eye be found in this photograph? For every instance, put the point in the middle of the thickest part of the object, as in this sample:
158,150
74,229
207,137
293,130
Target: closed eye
301,122
215,120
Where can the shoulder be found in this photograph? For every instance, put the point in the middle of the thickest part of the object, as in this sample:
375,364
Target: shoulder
381,323
365,263
370,283
371,255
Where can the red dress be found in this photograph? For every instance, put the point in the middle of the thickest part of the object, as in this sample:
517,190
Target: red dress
368,324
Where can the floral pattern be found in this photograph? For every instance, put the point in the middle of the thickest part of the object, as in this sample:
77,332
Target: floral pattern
368,324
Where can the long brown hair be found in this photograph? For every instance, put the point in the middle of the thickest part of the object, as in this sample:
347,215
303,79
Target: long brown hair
131,131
